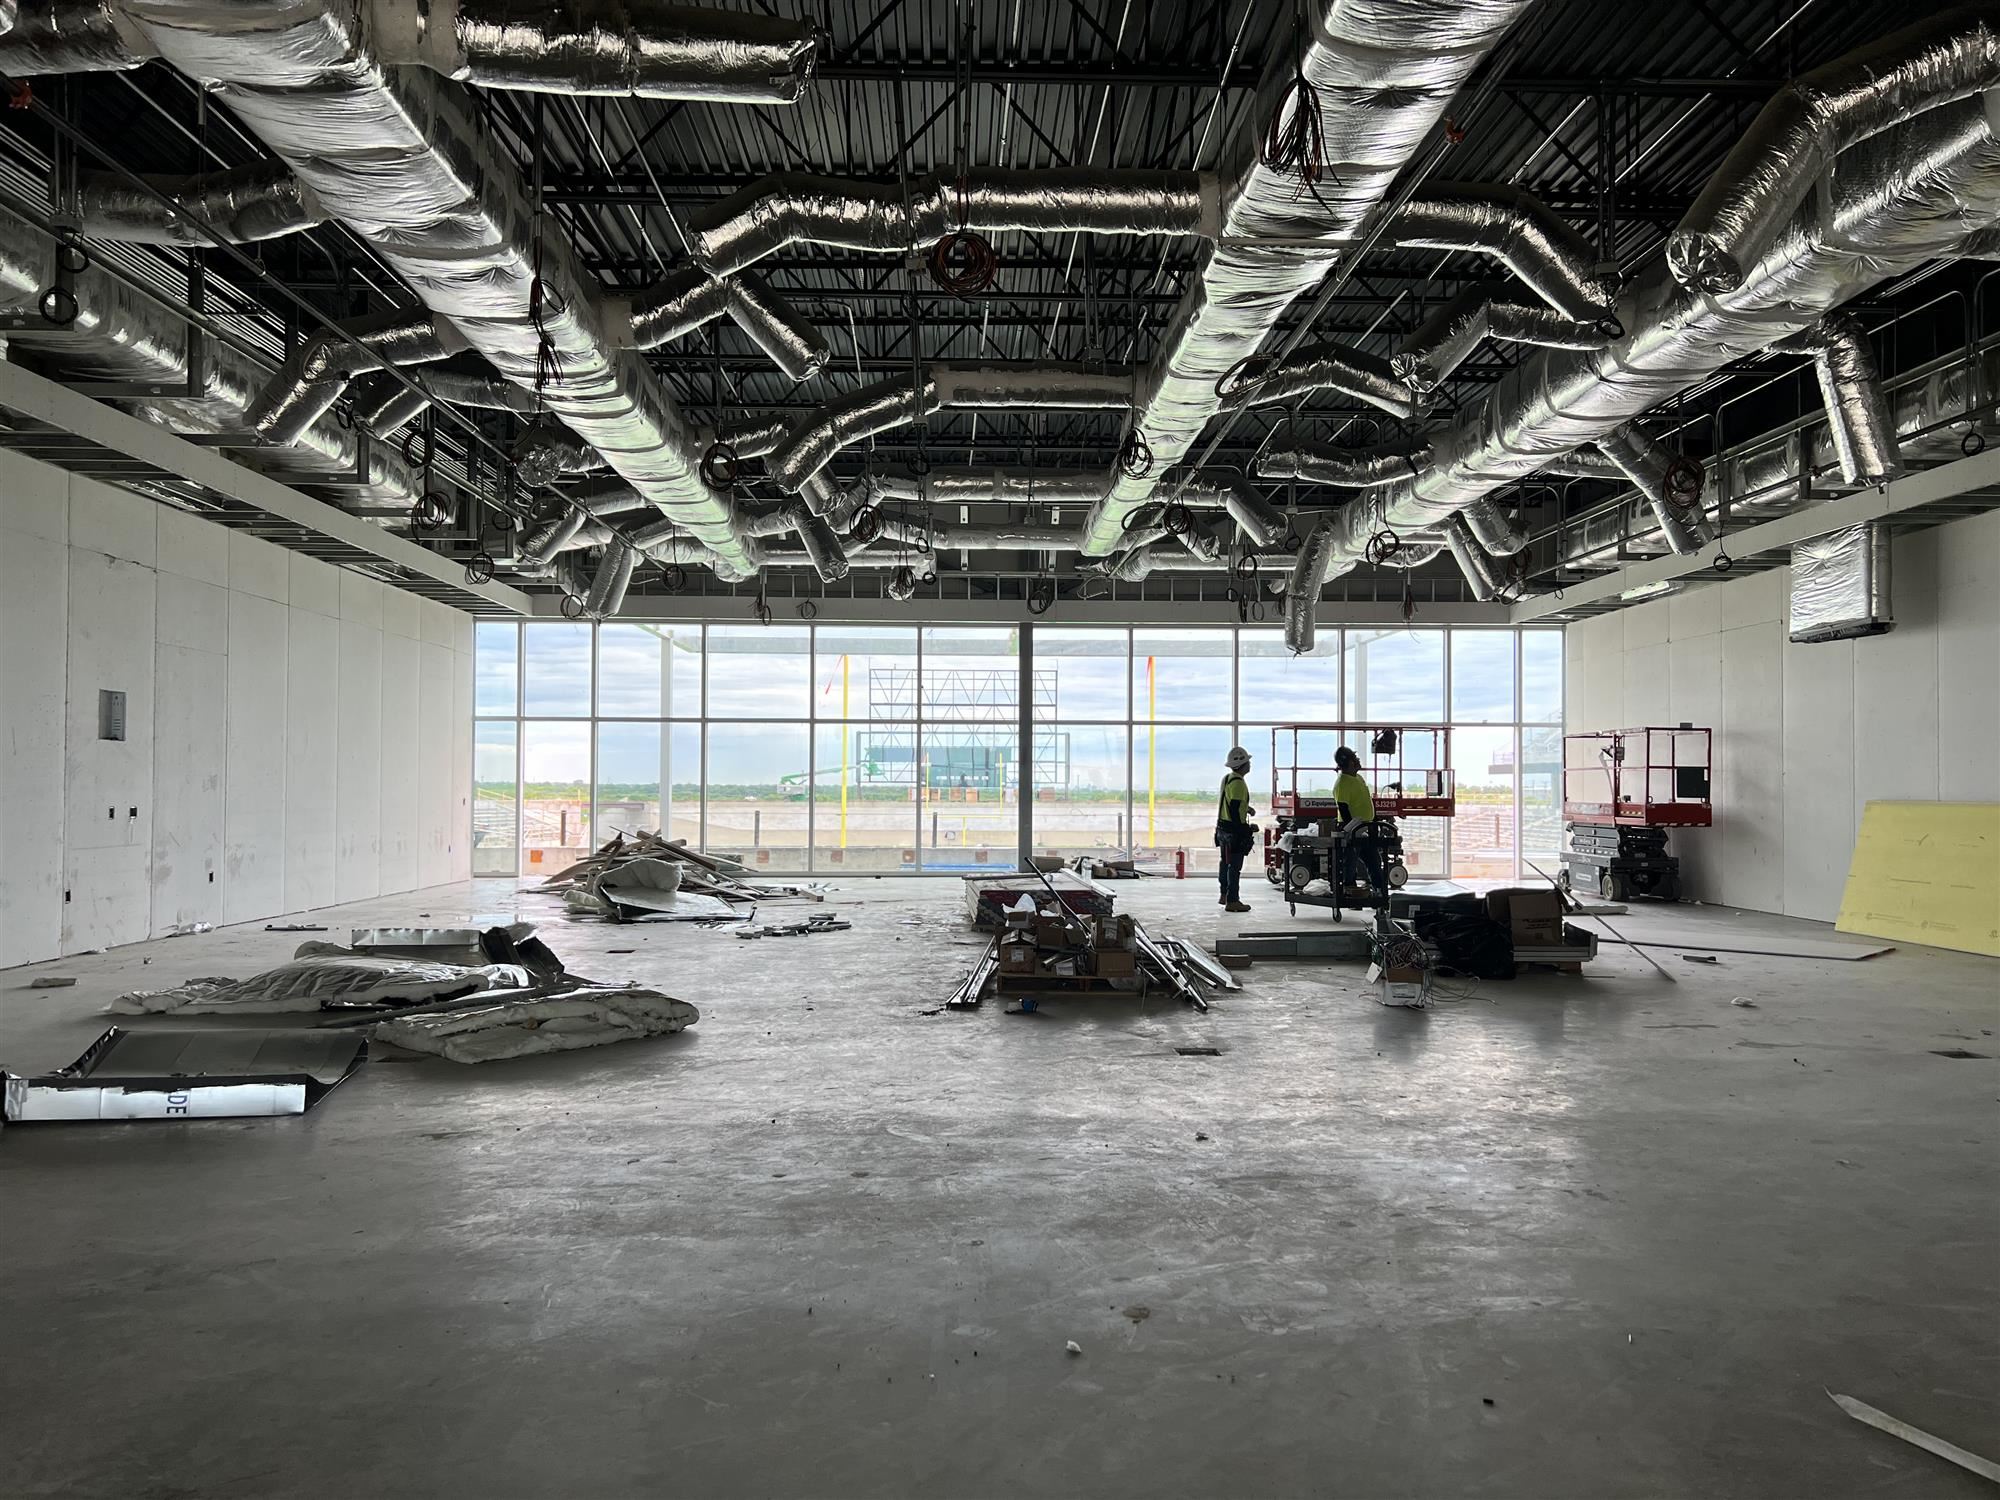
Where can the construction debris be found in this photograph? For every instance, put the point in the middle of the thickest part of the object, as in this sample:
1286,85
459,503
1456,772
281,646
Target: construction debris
1045,945
52,982
642,873
1861,1411
989,897
548,1023
186,1075
819,921
324,976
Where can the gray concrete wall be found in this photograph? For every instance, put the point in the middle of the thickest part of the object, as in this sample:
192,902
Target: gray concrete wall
1806,735
296,734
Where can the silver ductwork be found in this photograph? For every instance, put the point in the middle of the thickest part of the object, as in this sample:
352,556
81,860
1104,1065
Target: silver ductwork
484,392
1850,385
1480,575
69,36
902,400
1302,589
546,454
1328,367
1353,468
997,486
1912,194
1670,483
790,208
643,50
1840,585
242,205
1517,229
822,545
552,534
1446,339
1386,71
1752,198
690,297
1490,527
400,156
612,579
119,333
317,373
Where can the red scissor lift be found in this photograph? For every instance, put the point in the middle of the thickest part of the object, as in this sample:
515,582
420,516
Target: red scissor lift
1408,771
1622,790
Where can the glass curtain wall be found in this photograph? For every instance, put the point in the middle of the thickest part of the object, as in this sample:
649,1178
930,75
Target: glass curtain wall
874,749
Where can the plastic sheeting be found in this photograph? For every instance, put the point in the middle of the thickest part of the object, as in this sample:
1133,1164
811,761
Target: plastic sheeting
322,976
1840,585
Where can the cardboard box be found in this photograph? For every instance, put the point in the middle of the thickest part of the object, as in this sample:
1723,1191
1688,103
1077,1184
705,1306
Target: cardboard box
1054,932
1394,974
1116,963
1019,957
1116,932
1534,915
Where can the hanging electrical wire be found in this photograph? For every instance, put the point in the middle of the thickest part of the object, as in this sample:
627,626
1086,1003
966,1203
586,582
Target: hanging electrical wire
1295,139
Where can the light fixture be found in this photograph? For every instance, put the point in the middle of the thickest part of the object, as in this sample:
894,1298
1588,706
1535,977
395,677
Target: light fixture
1649,590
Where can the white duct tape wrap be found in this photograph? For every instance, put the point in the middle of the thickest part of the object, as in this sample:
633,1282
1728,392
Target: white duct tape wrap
1914,193
1840,585
1446,339
613,578
243,205
401,157
1363,376
318,371
1352,467
605,47
1850,385
1752,197
1516,228
791,208
1386,71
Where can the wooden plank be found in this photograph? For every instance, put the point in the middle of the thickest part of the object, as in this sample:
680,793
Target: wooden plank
1927,872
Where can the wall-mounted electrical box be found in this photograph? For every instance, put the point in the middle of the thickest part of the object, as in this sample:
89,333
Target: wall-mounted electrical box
110,714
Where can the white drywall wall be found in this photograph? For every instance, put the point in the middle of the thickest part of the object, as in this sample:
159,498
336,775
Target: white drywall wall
1805,736
257,716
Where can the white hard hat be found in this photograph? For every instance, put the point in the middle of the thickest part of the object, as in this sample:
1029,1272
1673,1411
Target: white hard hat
1238,759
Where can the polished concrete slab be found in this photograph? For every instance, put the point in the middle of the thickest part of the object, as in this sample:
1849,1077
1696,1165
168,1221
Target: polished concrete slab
1599,1236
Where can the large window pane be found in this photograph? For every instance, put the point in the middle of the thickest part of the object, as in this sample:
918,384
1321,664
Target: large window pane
555,795
496,800
864,797
558,669
1080,774
1277,686
865,672
634,761
1176,777
1541,798
1183,674
1081,674
649,671
1302,758
758,780
759,671
497,665
1482,676
1394,676
1482,834
970,779
1542,676
971,674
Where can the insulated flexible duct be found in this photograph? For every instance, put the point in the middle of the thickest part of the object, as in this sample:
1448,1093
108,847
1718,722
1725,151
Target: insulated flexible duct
70,36
998,486
1472,560
318,371
1302,590
483,392
822,546
1516,228
1328,367
120,334
544,455
790,208
402,158
1446,339
1671,486
1386,71
243,204
612,579
1914,193
1850,385
1492,530
689,298
1352,467
1789,147
552,533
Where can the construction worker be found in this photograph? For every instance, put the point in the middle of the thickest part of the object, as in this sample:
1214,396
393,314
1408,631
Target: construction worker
1235,834
1357,825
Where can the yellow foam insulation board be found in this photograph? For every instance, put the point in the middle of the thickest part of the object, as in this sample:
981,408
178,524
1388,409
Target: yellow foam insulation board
1927,872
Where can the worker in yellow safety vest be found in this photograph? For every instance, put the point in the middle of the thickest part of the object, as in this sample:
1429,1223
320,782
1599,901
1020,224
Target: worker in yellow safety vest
1235,834
1357,819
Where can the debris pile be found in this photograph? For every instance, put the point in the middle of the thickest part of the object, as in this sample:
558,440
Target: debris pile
555,1023
644,877
1043,945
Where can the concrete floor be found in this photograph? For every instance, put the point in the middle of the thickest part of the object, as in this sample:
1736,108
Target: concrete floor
1569,1237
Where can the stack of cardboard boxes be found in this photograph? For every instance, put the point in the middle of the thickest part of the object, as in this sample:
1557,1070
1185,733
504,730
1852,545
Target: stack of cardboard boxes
1534,915
1047,946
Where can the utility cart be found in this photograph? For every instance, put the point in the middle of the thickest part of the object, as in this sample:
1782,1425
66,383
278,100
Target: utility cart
1623,789
1408,771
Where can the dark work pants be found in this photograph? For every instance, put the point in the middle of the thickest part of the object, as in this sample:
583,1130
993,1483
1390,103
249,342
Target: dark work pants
1230,871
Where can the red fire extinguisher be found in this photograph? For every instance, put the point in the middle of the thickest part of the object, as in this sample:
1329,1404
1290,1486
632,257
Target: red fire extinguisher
1180,864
